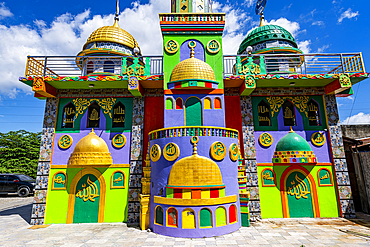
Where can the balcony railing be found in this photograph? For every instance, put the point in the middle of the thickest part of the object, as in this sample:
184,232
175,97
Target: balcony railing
93,65
299,64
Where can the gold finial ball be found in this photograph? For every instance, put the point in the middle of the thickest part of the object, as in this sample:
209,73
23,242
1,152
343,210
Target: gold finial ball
194,139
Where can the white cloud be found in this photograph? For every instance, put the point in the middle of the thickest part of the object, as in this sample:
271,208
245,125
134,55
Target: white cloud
291,26
66,35
1,115
249,3
304,46
348,14
323,48
318,23
360,118
4,11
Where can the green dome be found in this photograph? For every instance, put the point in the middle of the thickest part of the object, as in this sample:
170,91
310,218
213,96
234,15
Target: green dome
266,33
292,142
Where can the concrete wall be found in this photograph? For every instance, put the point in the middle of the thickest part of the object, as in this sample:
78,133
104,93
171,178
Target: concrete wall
356,131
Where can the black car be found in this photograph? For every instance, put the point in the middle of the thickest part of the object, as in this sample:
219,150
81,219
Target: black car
21,184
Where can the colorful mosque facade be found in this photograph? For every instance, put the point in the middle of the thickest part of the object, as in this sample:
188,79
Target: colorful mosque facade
192,143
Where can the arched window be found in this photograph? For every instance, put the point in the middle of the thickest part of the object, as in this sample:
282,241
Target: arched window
289,113
188,219
313,113
109,67
169,104
172,217
264,114
232,214
93,116
179,104
207,103
217,103
221,216
205,218
159,215
69,113
90,67
118,115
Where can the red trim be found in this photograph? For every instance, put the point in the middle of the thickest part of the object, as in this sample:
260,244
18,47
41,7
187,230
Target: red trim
214,193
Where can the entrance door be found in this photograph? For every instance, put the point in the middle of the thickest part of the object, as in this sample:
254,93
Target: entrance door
86,208
193,112
299,195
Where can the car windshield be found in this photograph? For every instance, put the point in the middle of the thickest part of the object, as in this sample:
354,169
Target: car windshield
24,177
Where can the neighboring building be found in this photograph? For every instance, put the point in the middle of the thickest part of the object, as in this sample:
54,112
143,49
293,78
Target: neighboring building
356,139
214,131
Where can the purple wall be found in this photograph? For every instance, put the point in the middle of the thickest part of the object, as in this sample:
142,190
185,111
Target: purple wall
185,50
162,168
120,156
212,117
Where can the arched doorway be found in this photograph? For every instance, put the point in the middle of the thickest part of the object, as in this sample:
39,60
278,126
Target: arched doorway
299,194
193,112
86,197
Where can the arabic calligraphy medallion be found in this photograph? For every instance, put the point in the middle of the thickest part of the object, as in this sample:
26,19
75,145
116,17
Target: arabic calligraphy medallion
268,178
171,151
88,193
298,188
234,152
266,139
155,153
59,181
318,139
218,151
171,46
65,141
119,141
213,46
118,180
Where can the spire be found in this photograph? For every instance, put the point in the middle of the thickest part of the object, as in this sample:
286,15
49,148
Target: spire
192,45
116,17
194,140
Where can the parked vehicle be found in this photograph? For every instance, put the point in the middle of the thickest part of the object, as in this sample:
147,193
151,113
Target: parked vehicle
21,184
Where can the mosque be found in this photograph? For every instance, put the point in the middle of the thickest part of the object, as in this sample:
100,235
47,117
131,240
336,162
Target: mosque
193,143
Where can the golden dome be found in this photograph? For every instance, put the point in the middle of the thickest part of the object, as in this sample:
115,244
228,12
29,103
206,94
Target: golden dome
112,34
195,171
91,150
192,68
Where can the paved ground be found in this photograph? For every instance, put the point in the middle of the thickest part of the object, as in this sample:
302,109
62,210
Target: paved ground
15,231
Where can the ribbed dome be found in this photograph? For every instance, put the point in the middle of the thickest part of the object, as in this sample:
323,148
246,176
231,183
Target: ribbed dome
192,68
292,142
267,33
91,150
112,34
195,171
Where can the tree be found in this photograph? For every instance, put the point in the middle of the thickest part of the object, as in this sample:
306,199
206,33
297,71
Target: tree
19,152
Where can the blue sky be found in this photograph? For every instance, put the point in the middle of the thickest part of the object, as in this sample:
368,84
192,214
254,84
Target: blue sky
41,27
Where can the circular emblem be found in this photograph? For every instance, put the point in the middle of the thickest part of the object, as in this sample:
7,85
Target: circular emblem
266,139
155,152
318,139
218,151
171,151
171,46
234,152
119,141
213,46
133,82
65,141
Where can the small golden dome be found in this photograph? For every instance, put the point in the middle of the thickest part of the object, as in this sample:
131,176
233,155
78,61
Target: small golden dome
91,150
192,68
195,171
112,34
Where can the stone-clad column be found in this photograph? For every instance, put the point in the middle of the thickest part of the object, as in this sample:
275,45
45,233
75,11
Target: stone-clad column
39,202
136,161
250,157
341,170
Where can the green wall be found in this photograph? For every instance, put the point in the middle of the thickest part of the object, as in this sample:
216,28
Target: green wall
270,197
214,60
116,200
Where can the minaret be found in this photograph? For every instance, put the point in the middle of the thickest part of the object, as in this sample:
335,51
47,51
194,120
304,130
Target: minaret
191,6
